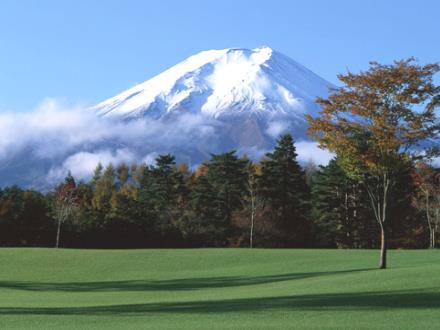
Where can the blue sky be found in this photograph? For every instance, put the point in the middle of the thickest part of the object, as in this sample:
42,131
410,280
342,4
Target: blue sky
85,51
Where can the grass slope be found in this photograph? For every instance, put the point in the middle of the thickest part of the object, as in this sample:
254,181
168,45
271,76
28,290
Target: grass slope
218,289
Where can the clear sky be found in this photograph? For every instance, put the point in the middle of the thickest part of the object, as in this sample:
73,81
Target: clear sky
87,50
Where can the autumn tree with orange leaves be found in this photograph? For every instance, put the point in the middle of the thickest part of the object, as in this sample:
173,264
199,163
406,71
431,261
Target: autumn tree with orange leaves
378,123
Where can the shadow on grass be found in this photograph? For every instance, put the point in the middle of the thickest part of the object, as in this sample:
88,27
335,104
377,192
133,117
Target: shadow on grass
315,302
166,285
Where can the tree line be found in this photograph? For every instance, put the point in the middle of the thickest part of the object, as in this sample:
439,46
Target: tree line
228,201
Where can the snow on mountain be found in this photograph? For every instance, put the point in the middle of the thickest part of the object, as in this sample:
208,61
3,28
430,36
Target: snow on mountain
246,97
221,83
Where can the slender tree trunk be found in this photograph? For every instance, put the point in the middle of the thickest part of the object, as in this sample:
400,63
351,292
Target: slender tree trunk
57,242
253,212
253,209
251,237
383,229
383,248
435,225
347,226
428,218
64,206
62,212
379,205
433,238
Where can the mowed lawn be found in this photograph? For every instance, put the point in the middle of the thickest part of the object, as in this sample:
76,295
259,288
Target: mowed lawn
218,289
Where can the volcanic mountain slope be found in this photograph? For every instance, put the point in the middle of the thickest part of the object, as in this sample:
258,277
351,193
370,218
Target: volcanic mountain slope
214,101
253,95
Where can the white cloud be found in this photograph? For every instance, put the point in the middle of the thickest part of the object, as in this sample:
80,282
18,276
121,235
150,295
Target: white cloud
276,128
72,138
150,159
309,151
82,164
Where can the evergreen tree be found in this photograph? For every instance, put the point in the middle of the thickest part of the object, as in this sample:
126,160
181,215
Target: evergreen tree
228,177
286,194
202,227
160,191
69,180
341,216
218,194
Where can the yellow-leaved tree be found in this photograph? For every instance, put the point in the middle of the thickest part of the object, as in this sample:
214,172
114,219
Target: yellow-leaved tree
378,122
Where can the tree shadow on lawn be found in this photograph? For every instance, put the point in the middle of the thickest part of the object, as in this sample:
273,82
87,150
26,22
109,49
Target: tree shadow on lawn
166,285
371,301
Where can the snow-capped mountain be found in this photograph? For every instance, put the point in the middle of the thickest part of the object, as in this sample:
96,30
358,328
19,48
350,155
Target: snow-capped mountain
247,97
214,101
222,83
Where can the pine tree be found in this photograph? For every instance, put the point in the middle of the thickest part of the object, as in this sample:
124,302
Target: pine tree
285,192
227,174
217,195
160,191
201,227
339,210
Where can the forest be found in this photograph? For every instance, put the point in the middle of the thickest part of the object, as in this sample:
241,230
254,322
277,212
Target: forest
227,201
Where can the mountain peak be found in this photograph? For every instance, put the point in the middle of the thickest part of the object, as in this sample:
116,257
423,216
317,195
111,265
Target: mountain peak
223,82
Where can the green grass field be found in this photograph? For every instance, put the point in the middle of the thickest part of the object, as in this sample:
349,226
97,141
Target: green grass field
218,289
